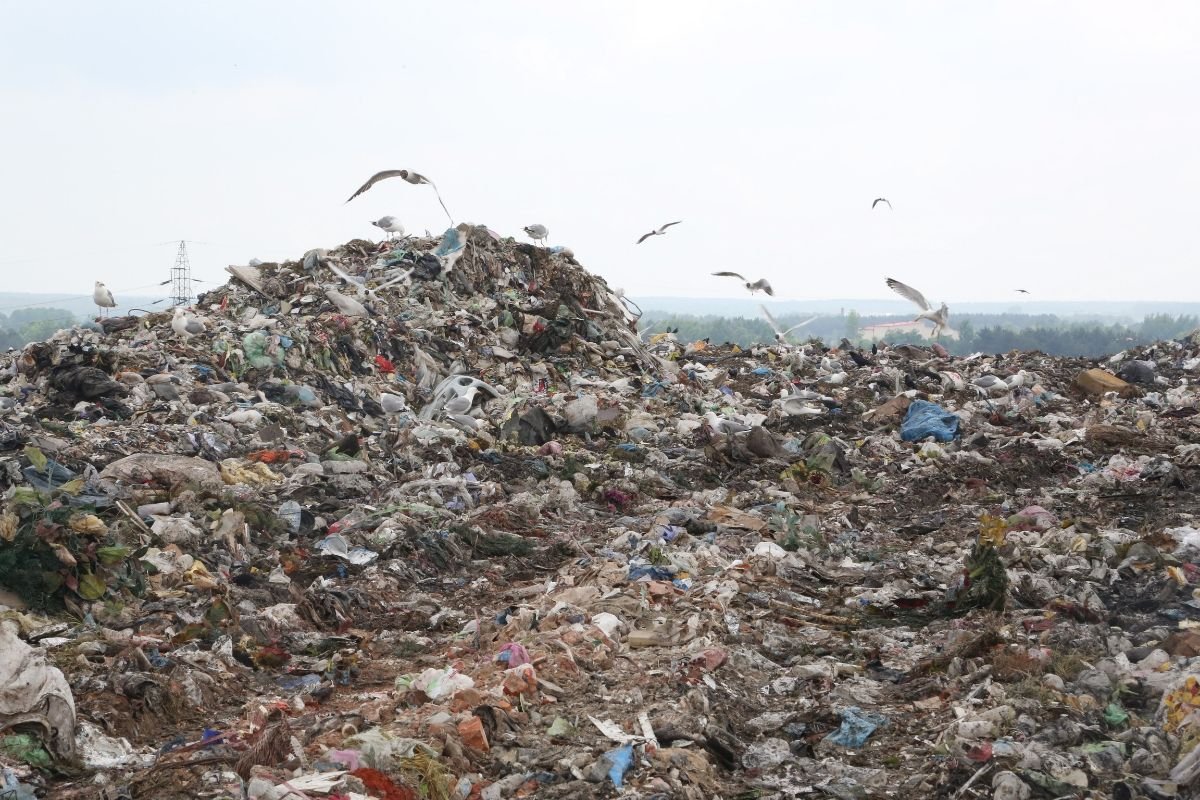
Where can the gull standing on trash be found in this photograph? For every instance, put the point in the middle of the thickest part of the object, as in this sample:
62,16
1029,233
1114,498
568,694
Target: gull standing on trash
391,225
103,297
412,177
658,232
392,403
538,233
185,325
759,285
346,305
780,334
879,200
722,425
939,318
461,404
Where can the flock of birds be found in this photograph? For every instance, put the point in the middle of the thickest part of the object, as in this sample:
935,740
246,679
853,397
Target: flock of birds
186,324
540,234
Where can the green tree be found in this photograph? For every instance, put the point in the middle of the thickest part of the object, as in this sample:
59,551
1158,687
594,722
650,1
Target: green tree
853,323
40,330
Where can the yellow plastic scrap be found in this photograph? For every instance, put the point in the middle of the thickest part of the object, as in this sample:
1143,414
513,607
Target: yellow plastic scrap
64,555
797,471
89,524
1182,706
8,526
234,473
199,576
36,457
72,487
992,530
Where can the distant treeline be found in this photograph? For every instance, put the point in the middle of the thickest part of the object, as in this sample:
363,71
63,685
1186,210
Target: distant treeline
987,333
25,325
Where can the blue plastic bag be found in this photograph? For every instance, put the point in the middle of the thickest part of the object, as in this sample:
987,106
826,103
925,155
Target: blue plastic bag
926,419
620,760
857,726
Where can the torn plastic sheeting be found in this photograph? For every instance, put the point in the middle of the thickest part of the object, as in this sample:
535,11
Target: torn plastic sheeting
381,749
99,751
35,693
13,789
513,654
55,476
438,683
165,470
619,760
925,419
261,352
857,727
450,249
336,545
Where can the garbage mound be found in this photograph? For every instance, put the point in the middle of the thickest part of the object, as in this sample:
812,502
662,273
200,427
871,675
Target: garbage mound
429,519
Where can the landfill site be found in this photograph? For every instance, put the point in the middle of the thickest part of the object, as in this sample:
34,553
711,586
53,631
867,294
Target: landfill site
459,530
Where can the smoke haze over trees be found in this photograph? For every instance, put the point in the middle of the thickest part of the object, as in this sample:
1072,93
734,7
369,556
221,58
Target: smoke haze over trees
988,333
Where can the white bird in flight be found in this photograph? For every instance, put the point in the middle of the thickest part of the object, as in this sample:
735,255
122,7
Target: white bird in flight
759,285
780,334
879,200
412,177
391,225
538,233
657,232
939,317
103,297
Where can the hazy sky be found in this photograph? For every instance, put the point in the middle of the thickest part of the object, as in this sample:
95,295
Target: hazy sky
1046,145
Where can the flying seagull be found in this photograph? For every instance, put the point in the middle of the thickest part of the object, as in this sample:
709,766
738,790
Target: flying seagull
103,297
658,232
1022,291
538,233
408,175
879,200
780,334
939,318
759,285
390,225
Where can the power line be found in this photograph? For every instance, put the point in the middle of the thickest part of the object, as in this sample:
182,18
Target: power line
83,296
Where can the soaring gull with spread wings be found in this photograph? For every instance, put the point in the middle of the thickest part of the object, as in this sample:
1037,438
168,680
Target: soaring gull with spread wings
759,285
657,232
414,178
938,317
780,333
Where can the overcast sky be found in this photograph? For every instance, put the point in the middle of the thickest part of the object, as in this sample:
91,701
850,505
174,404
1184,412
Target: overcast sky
1051,146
